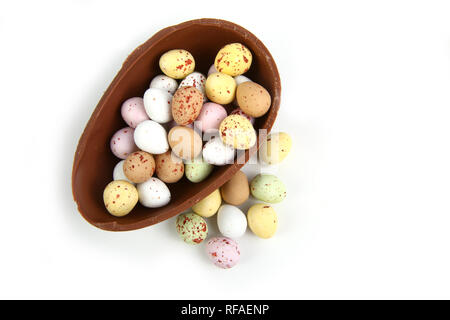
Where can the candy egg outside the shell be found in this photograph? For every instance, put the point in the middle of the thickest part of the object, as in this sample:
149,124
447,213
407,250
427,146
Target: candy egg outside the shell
122,143
177,63
151,137
262,220
236,190
191,228
231,221
157,104
165,83
153,193
208,206
268,188
133,111
275,148
223,252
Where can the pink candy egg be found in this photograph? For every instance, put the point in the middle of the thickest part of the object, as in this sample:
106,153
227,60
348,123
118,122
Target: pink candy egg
223,252
242,113
133,111
210,116
122,143
212,69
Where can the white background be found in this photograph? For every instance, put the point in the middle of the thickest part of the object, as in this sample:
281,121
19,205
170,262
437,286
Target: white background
366,92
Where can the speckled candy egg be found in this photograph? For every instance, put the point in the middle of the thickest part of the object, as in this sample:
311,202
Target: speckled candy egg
275,148
164,83
196,80
120,197
220,88
169,168
223,252
208,206
139,166
133,111
118,173
237,132
151,137
153,193
217,153
191,228
231,221
122,143
185,142
239,112
233,59
236,190
253,99
268,188
198,170
262,220
177,63
210,117
186,105
157,104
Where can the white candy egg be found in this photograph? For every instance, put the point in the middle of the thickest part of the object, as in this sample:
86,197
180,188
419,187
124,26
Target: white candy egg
217,153
153,193
165,83
241,79
118,173
151,137
196,80
157,103
231,221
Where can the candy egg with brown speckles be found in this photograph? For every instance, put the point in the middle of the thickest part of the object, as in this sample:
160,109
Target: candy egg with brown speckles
139,166
169,168
186,105
253,99
237,132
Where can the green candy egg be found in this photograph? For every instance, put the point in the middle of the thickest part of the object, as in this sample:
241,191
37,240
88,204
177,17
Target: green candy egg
268,188
197,171
192,228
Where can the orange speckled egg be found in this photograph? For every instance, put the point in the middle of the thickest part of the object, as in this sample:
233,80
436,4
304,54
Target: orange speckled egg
169,168
253,99
185,142
186,105
139,166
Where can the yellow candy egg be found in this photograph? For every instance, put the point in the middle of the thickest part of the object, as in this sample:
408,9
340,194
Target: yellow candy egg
120,197
262,220
234,59
209,205
220,88
177,63
275,148
237,131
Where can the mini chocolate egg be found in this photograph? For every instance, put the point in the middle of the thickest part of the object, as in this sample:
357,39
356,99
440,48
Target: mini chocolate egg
210,117
133,111
186,105
231,221
120,197
241,79
236,190
177,63
196,80
169,168
237,132
139,166
275,148
165,83
262,220
217,153
191,228
122,143
118,173
268,188
233,59
211,70
220,88
153,193
253,99
151,137
185,142
157,104
238,111
223,252
207,207
198,170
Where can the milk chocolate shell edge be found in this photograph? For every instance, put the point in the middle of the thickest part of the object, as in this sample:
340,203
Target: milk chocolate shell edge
94,162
